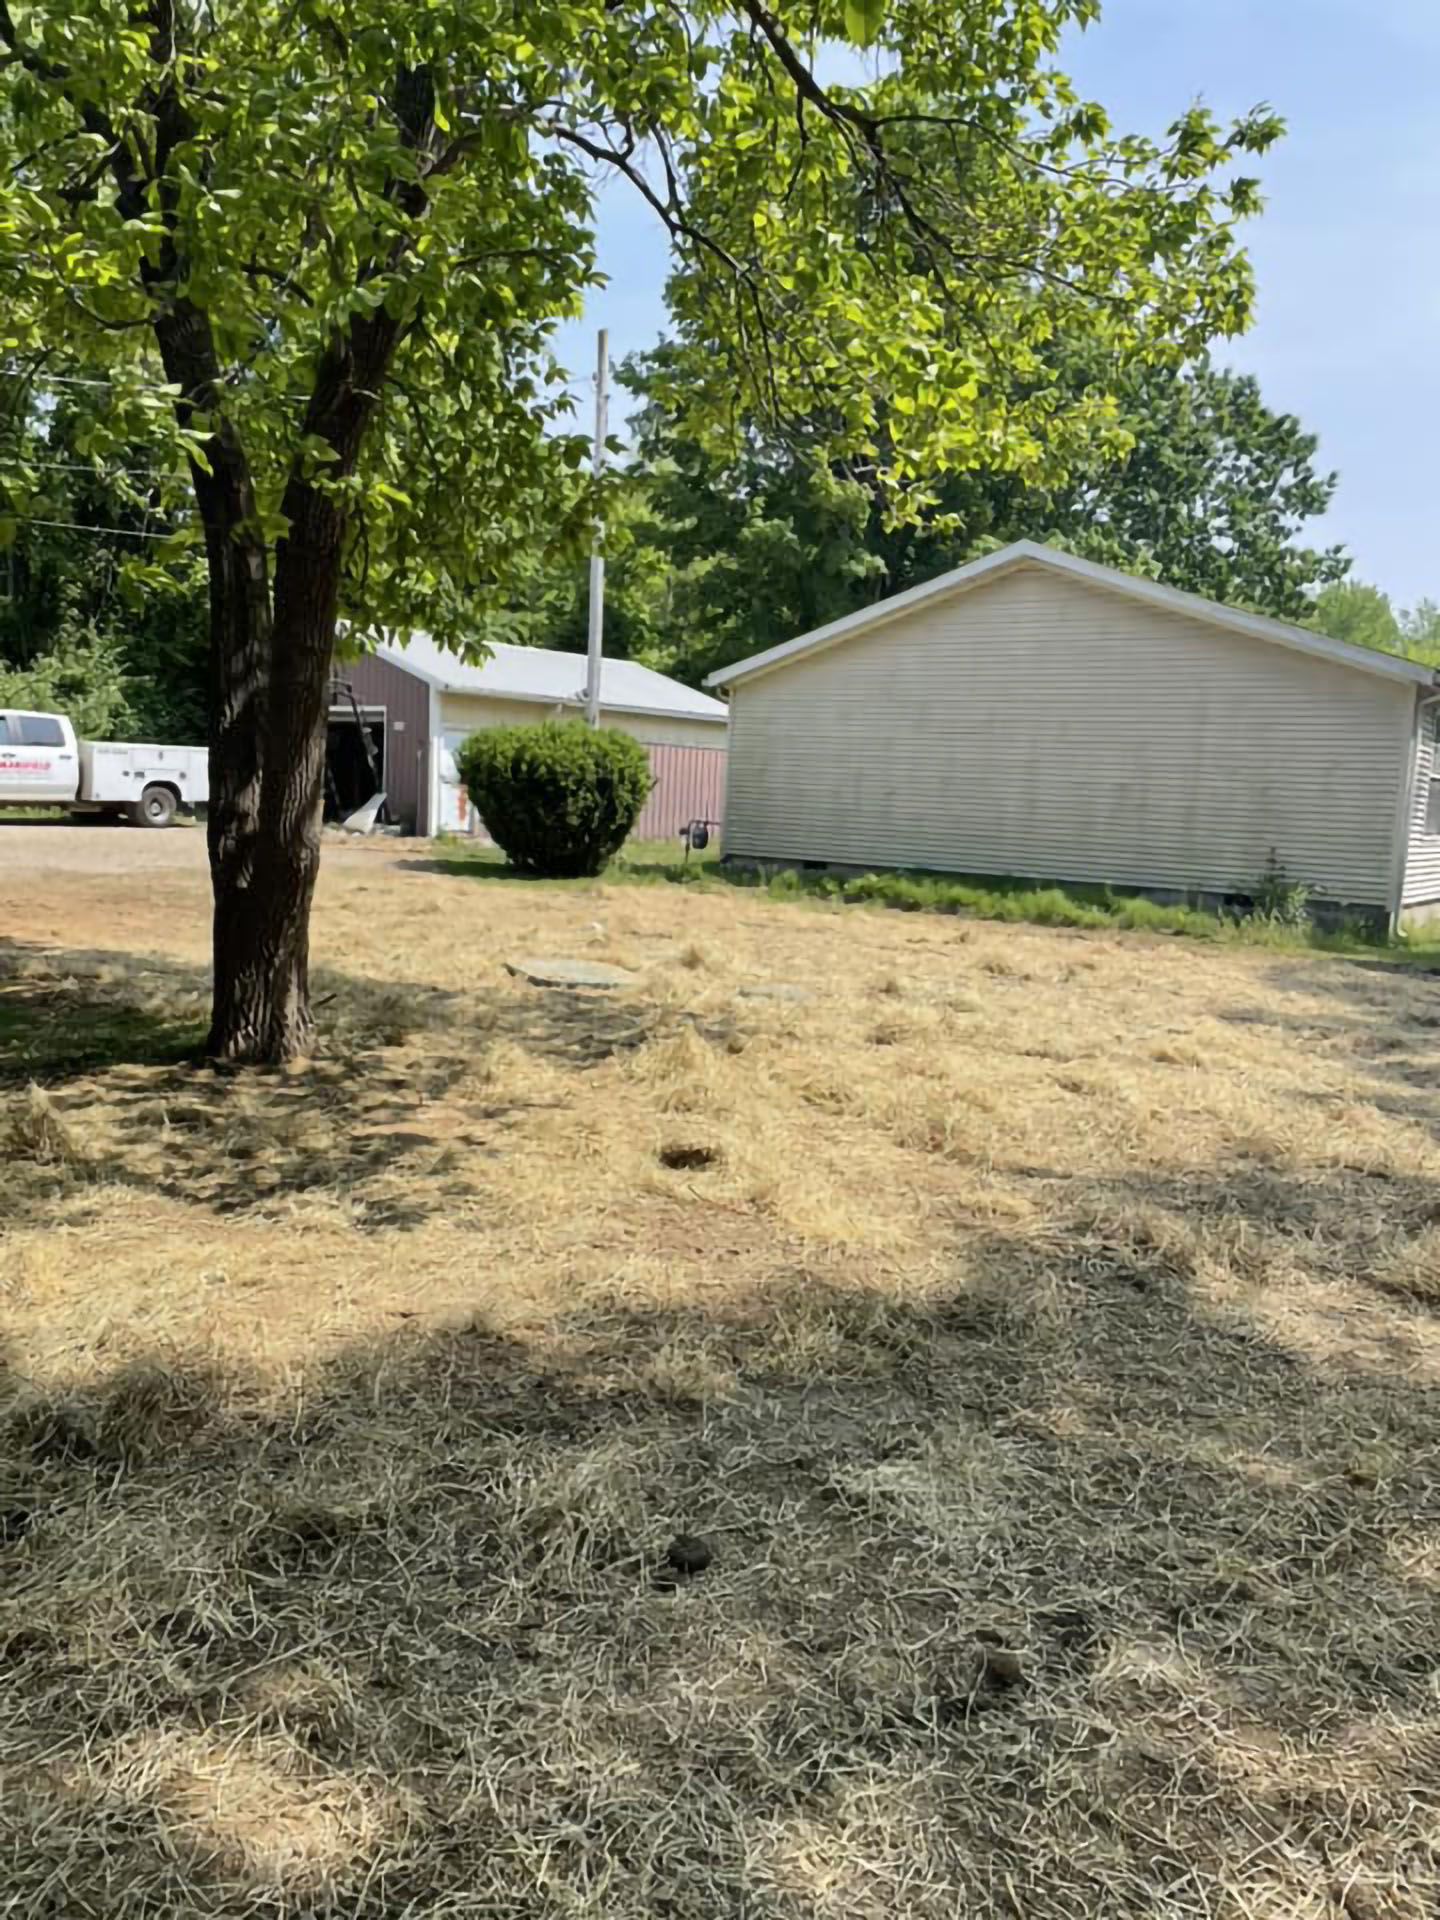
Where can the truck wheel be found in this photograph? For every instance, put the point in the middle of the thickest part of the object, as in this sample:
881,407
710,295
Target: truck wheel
156,808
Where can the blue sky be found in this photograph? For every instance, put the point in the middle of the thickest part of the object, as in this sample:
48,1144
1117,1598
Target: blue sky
1347,253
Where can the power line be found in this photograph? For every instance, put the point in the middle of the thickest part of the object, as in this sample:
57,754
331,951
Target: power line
40,376
75,380
100,473
78,526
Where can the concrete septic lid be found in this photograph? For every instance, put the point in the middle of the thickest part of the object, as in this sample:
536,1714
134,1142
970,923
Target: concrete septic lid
570,973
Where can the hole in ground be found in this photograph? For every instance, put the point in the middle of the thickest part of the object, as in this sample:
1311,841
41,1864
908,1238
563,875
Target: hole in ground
688,1159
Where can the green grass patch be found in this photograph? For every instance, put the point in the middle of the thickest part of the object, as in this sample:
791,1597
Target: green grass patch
1085,907
1022,902
638,862
1095,908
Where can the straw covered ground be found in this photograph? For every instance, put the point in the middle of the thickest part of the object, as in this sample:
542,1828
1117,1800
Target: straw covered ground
957,1437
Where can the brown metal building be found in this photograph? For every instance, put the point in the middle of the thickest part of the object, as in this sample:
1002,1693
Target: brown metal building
417,703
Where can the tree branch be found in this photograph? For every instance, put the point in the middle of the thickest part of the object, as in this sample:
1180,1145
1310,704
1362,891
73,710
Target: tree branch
277,276
670,211
99,320
840,113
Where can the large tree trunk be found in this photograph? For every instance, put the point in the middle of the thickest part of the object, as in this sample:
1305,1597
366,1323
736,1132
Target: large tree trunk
264,868
265,879
264,838
241,648
260,1003
260,1009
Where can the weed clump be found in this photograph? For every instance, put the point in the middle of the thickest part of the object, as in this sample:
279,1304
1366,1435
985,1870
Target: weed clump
38,1132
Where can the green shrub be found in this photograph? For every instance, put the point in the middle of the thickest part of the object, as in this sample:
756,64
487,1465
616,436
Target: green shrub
558,799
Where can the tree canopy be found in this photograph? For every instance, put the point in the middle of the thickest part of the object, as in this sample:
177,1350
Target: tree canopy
281,179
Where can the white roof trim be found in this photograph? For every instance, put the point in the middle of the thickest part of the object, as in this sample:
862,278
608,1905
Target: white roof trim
566,700
699,707
576,701
1192,606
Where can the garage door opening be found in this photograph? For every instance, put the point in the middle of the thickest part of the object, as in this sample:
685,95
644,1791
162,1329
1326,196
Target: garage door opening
354,758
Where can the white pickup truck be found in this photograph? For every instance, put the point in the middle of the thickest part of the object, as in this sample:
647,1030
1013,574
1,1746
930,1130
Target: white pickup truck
42,764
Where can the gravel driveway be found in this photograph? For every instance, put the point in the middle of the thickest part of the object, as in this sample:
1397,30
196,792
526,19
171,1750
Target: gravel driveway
82,846
76,846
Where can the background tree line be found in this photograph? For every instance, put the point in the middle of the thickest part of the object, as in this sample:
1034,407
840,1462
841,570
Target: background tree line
713,555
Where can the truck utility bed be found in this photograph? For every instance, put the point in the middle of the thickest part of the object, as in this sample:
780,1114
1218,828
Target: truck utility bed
118,772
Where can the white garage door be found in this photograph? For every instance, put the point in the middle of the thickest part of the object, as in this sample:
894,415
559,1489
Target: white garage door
456,813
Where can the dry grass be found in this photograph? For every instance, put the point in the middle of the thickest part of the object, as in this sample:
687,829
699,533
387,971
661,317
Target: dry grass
1039,1328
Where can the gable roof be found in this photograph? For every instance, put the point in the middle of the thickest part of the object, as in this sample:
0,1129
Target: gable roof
536,673
1030,553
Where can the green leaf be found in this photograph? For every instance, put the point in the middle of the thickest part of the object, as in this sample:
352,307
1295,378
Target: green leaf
863,21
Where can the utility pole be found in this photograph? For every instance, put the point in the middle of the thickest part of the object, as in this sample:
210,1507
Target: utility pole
594,646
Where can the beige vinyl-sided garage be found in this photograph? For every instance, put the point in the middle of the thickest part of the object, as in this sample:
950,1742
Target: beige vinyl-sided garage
1035,715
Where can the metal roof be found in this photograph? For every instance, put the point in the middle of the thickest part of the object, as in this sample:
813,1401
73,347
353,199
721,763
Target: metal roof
1030,553
535,673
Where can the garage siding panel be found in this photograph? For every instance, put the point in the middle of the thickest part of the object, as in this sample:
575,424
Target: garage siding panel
471,711
485,710
1037,727
1422,865
659,730
689,785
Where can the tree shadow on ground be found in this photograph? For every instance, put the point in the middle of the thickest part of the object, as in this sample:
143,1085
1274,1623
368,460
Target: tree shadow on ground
490,865
50,1029
397,1080
477,866
1066,1589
